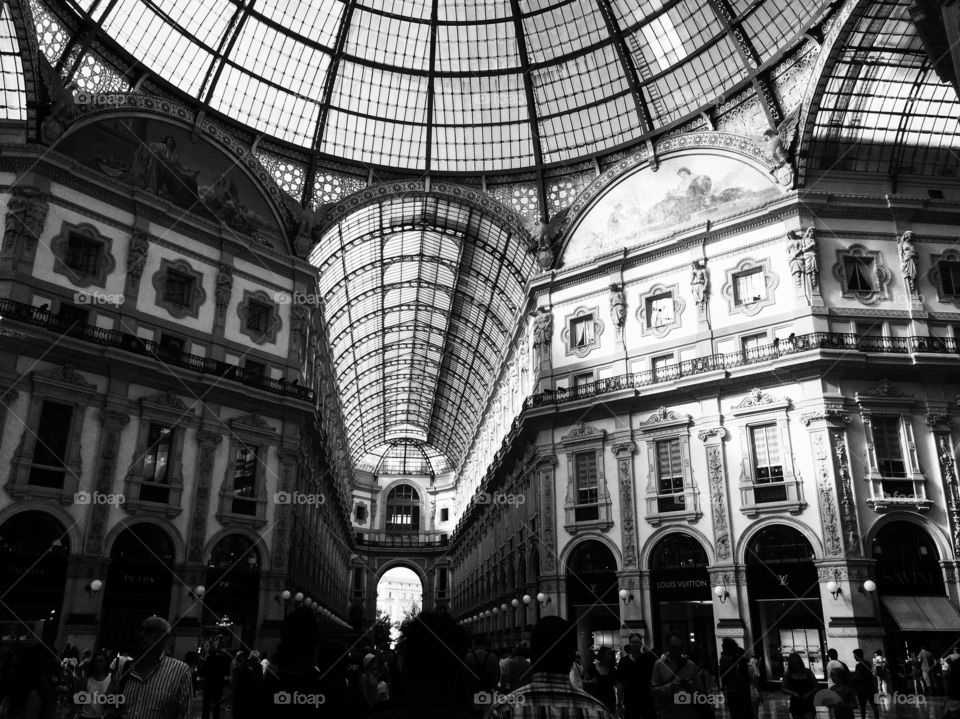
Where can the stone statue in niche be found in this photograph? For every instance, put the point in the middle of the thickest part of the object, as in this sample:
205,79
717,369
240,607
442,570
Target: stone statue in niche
61,107
795,255
811,265
908,259
26,215
698,283
544,235
224,286
137,256
543,328
618,305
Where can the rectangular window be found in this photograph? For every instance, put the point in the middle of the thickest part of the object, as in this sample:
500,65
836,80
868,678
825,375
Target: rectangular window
660,311
358,581
750,286
50,450
72,319
254,370
245,480
669,476
859,273
178,288
82,254
445,515
751,344
171,345
660,367
582,380
767,464
258,316
949,277
582,331
886,441
585,468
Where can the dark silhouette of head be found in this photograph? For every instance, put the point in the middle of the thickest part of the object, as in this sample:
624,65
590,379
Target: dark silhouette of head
433,650
832,653
553,645
299,637
729,645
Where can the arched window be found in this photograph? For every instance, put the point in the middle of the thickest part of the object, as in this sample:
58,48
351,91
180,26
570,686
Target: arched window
403,509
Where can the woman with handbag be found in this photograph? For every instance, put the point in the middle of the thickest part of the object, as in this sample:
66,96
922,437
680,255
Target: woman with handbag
801,686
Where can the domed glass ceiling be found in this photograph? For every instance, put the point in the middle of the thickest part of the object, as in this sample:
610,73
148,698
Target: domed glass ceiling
454,85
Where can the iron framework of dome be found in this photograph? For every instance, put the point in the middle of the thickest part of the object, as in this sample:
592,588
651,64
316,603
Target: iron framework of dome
451,86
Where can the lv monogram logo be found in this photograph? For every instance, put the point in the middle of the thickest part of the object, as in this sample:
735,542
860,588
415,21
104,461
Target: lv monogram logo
784,580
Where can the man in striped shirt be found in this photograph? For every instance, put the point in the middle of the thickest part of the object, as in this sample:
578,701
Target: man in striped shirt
153,686
549,695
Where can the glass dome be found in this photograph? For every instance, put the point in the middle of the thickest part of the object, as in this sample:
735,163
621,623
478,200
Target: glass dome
453,85
405,457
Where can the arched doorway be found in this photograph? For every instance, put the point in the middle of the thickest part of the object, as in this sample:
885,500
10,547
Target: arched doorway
34,547
785,607
138,583
399,596
403,509
914,608
680,596
592,600
232,599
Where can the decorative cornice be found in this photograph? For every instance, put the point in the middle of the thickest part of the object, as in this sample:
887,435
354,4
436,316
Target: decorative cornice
946,419
825,415
663,416
756,398
884,388
583,432
113,418
68,375
624,448
206,438
166,399
719,432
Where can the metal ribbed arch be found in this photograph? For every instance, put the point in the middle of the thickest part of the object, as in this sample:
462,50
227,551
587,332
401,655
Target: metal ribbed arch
415,352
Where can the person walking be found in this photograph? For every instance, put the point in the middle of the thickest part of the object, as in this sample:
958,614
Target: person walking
840,683
881,670
864,684
599,679
928,669
549,694
96,683
800,685
214,672
633,681
675,682
484,673
153,685
735,679
834,664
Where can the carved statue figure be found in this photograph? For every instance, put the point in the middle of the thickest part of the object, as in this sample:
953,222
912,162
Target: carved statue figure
137,256
698,283
795,253
618,305
62,108
543,328
811,265
224,286
300,318
26,216
908,259
544,234
156,167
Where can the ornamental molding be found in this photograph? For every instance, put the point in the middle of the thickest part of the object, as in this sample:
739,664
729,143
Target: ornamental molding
883,388
751,307
756,398
833,416
881,274
197,294
66,375
252,421
106,262
649,325
167,399
567,335
934,419
624,448
664,418
584,432
950,255
719,433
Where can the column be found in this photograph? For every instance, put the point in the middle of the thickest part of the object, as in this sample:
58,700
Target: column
208,442
8,395
942,425
112,422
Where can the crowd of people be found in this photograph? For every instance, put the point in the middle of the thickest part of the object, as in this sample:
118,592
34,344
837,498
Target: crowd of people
436,671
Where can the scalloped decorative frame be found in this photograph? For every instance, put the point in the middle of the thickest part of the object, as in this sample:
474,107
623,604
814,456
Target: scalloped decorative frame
882,275
935,260
654,292
598,328
750,308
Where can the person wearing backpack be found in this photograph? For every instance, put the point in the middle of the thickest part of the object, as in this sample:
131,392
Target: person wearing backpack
735,679
484,673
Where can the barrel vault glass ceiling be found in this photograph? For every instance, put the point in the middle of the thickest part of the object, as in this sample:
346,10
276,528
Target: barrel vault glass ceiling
421,297
452,85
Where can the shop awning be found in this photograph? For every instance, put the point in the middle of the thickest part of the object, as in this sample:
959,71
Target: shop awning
923,614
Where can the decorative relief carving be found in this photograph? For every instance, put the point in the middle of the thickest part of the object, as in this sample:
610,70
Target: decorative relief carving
718,498
137,254
933,419
825,415
756,398
68,375
662,415
208,442
908,260
167,399
23,224
832,543
113,422
252,420
870,268
583,431
547,510
884,389
223,290
951,485
848,509
618,306
700,286
627,522
719,433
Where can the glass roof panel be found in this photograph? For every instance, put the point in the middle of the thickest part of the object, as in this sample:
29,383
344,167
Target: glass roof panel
13,100
418,334
278,65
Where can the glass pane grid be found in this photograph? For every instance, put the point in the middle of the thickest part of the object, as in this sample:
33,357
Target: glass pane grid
13,100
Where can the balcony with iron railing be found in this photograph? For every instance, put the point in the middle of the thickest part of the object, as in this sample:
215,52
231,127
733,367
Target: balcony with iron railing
836,341
402,540
44,319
